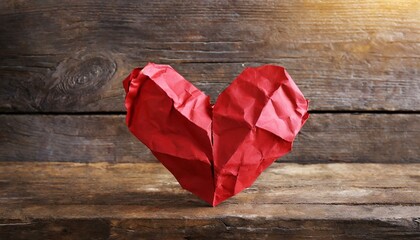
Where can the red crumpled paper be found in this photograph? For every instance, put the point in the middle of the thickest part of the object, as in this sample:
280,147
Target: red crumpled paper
215,151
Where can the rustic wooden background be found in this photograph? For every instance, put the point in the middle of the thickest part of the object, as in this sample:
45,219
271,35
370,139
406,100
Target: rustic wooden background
62,64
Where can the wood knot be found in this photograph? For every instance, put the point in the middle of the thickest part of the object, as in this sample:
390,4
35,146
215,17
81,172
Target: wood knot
85,76
78,81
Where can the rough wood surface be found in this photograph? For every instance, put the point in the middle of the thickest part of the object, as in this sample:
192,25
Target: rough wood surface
131,201
72,55
382,138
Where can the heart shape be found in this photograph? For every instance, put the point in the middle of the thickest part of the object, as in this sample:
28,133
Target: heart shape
215,151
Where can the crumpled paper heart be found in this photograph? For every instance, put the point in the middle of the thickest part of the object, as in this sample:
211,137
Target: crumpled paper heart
215,151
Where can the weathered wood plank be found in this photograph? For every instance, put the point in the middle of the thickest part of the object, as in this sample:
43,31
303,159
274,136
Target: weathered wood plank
345,55
66,229
225,228
382,138
149,184
131,201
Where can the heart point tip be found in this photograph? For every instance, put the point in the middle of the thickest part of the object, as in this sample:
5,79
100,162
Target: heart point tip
215,202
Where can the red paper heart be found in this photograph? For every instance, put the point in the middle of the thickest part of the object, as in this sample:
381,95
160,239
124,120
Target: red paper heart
215,152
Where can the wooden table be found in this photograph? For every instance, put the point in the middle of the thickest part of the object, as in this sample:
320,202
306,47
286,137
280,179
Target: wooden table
132,201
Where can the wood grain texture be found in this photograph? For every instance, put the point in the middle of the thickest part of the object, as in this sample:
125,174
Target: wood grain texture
132,201
385,138
70,56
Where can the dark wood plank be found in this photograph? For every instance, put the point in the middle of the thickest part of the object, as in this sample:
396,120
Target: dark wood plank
71,56
224,228
384,138
131,201
80,229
